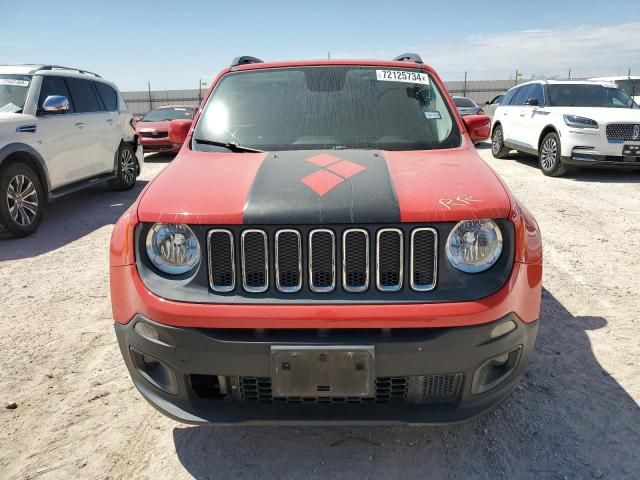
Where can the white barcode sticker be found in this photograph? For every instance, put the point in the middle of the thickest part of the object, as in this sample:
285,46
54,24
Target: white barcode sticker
402,76
14,82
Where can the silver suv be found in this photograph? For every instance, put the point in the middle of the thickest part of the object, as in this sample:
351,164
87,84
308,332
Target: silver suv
61,130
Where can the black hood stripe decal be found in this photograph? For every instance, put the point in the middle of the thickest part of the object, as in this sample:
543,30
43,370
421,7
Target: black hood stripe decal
322,187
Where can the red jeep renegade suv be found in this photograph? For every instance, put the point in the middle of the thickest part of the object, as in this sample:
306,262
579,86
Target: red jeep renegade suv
326,247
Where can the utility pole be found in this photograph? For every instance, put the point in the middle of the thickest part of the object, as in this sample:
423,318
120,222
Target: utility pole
569,73
328,55
629,74
199,90
518,74
464,94
150,101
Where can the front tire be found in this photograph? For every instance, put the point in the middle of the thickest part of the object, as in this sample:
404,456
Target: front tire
497,144
550,157
22,201
127,169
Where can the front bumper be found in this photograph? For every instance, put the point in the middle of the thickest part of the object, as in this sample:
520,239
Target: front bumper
158,144
591,148
189,354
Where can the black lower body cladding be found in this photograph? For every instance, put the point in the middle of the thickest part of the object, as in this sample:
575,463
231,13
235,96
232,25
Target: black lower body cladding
422,376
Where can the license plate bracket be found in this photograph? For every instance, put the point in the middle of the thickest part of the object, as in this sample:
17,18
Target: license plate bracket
322,371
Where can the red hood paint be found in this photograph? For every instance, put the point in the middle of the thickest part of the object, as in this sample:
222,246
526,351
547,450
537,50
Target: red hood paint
162,126
434,185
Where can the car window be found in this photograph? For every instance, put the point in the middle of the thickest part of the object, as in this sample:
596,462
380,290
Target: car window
506,100
327,107
83,95
13,92
522,95
169,113
588,95
463,102
54,86
537,93
108,95
497,99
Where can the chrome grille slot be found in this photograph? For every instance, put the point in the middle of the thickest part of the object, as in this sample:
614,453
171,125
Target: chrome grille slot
288,261
322,260
222,273
355,260
424,261
389,259
255,261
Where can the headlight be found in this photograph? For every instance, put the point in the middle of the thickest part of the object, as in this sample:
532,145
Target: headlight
580,122
173,248
474,245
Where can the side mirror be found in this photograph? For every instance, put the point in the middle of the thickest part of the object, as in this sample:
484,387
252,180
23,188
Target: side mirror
56,104
178,131
487,102
532,102
478,127
136,119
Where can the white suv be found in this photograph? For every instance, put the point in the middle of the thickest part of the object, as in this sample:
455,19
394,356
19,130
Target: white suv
61,130
569,123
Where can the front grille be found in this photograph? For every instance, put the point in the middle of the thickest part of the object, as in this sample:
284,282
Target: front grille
623,131
388,389
304,260
427,389
154,134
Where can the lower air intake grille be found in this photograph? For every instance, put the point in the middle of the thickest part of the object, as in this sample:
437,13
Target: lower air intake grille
428,389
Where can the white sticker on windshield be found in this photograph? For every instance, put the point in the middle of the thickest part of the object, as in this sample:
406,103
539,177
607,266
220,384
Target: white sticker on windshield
10,108
432,115
14,82
402,76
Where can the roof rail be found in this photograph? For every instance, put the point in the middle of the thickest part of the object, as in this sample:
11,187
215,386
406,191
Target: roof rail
59,67
244,60
408,57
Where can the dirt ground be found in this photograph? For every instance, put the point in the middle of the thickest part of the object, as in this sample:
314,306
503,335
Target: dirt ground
576,415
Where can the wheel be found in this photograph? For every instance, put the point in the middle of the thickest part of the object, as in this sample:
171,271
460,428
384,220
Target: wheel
497,146
550,156
21,201
127,169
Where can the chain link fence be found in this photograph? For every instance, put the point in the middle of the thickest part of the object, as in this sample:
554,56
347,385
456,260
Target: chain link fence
140,102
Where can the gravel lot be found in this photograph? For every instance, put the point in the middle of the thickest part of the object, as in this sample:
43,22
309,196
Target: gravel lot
576,415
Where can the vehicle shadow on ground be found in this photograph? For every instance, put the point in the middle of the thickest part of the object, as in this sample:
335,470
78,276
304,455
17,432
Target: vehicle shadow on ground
592,175
159,157
70,218
568,418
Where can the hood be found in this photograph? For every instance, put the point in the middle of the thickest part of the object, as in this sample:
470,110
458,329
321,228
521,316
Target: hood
316,187
152,126
6,117
604,115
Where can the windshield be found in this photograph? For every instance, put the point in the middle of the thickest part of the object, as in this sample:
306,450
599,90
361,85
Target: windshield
173,113
13,92
630,86
327,107
463,102
583,95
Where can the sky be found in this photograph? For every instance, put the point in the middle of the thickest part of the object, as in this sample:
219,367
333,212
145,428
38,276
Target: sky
175,44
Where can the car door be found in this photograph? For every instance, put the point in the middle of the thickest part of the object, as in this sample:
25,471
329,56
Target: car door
112,133
96,123
64,141
505,115
518,125
533,118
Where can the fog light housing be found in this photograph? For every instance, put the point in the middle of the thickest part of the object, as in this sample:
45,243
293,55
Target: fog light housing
154,371
495,371
146,330
502,329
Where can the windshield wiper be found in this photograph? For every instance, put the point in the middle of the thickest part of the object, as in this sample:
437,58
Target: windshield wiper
234,147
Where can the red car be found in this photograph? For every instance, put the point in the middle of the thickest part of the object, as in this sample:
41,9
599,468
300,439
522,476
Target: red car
153,128
326,247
